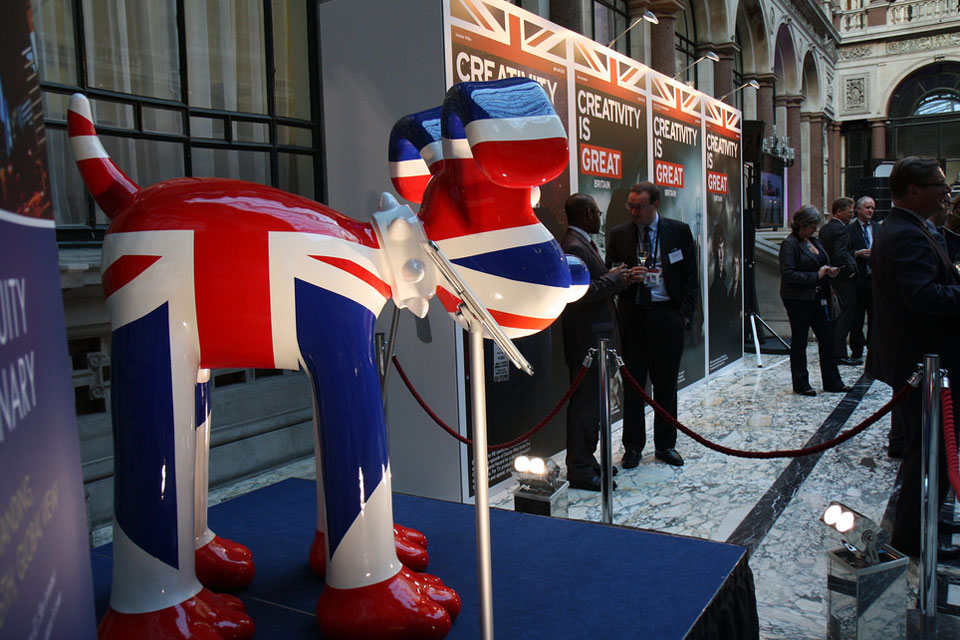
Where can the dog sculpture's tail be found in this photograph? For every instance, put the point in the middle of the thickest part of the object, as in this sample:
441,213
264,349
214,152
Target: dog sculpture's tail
110,187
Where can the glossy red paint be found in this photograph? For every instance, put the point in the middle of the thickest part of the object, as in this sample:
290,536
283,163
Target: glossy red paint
411,546
223,564
396,609
205,616
412,535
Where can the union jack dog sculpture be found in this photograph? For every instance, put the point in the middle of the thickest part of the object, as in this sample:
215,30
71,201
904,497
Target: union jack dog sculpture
204,273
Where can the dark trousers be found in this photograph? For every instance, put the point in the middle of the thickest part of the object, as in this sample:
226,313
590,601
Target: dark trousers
805,315
906,522
862,306
583,421
652,346
847,290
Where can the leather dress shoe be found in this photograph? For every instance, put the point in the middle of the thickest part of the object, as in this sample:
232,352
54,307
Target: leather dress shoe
851,362
947,552
593,484
947,527
806,392
596,470
670,456
842,389
631,458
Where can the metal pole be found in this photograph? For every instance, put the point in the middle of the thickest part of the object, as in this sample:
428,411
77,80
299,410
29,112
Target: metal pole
929,495
756,340
480,480
391,348
606,462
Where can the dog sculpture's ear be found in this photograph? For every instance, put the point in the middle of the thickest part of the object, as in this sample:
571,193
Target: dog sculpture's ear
415,153
512,130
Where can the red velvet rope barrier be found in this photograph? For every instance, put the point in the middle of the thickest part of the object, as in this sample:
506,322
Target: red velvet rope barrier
789,453
950,439
493,447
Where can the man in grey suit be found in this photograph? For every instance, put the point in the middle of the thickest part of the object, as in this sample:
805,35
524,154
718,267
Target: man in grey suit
861,233
584,322
834,237
916,311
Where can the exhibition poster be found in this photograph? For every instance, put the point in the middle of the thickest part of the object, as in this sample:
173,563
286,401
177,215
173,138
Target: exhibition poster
676,126
611,129
486,43
46,589
723,143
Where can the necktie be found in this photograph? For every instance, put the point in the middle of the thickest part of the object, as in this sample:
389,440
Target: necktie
866,236
648,245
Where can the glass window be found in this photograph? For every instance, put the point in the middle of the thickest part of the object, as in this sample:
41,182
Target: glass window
232,163
610,19
225,55
56,55
296,174
938,102
131,47
292,82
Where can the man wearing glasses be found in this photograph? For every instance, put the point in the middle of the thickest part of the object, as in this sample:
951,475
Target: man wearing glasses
653,315
916,310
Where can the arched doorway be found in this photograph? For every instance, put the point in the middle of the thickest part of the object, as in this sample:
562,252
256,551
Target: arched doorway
924,116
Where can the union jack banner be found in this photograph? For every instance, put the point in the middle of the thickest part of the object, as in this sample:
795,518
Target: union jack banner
503,23
722,115
675,95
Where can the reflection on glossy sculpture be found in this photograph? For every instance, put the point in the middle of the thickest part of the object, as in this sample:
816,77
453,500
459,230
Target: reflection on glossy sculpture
212,273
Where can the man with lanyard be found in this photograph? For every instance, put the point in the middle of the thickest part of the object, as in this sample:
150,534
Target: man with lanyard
653,315
860,234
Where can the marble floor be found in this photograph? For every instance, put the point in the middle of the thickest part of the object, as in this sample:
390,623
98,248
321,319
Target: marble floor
770,506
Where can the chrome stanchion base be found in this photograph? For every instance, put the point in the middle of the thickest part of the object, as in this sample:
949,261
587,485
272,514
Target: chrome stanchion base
866,600
948,627
542,503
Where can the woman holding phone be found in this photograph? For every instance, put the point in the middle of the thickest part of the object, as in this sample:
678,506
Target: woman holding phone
805,274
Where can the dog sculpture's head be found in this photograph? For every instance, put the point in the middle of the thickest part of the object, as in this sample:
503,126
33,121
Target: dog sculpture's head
476,164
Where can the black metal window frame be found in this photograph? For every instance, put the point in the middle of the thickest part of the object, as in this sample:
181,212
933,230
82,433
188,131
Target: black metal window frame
92,233
617,9
687,46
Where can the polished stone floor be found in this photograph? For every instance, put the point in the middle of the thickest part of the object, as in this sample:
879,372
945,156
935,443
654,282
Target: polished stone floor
770,506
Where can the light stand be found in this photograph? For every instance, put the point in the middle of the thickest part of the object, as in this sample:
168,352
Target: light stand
480,321
647,15
709,55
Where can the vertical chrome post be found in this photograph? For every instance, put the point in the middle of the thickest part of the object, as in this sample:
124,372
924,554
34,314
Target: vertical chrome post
480,480
388,351
756,339
606,459
929,492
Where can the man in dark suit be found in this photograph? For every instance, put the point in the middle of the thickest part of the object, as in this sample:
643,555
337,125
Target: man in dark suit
916,310
860,234
584,322
653,315
834,237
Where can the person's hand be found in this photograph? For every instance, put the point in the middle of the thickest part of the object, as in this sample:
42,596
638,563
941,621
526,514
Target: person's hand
833,271
862,253
825,271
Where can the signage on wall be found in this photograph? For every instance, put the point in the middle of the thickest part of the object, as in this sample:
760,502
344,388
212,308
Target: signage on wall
45,581
626,123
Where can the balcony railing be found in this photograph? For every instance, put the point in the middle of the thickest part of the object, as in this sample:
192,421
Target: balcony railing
901,14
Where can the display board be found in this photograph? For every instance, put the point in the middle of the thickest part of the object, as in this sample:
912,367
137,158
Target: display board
627,123
46,590
723,147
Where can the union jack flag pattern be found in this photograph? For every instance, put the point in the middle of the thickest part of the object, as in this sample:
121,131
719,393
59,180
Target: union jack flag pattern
210,273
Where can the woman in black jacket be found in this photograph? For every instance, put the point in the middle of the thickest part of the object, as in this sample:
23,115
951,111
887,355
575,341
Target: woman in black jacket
805,289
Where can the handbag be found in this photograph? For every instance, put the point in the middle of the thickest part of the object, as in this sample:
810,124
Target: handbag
834,304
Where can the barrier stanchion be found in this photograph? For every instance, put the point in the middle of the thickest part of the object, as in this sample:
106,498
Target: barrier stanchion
606,439
929,495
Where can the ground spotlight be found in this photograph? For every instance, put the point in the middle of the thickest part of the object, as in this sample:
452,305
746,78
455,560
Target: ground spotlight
540,489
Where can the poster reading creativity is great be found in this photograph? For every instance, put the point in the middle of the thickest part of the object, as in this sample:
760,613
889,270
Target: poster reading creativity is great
678,172
724,229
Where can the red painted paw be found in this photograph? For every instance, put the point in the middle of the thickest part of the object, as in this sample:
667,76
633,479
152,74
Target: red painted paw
436,591
395,609
224,564
205,616
411,546
412,535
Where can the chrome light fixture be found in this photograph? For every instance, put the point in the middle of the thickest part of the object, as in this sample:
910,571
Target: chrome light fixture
709,55
647,16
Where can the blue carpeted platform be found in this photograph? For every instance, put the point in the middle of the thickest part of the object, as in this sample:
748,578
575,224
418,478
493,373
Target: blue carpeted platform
552,578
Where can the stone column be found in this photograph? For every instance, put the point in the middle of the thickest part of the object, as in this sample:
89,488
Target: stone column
878,139
794,172
833,163
764,99
815,121
663,57
723,70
